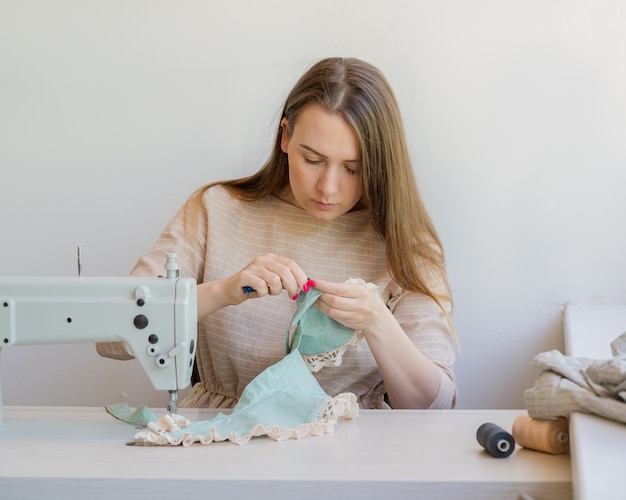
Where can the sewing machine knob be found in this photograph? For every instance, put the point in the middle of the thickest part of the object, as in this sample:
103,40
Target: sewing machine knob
162,361
140,321
152,350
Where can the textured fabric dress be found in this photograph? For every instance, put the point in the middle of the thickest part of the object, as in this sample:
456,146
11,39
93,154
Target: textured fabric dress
236,343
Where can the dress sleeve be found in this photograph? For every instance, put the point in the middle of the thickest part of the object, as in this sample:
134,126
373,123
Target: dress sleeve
429,328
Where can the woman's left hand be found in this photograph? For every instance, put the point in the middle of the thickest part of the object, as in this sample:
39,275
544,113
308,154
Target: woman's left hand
354,305
411,379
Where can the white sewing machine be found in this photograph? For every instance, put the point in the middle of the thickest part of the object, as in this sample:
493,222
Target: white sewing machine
156,317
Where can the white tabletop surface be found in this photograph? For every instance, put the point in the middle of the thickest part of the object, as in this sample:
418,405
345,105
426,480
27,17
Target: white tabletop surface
48,452
598,445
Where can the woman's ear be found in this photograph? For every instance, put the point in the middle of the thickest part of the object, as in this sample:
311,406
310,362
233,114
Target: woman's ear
284,138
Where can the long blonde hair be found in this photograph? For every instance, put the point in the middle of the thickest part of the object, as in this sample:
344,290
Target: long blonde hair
361,94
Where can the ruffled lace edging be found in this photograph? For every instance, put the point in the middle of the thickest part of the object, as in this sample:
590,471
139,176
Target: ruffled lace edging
315,362
336,409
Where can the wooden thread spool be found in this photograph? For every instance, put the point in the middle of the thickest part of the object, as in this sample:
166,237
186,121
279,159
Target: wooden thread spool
547,435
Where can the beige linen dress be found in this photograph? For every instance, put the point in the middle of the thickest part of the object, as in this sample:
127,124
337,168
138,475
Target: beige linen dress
237,343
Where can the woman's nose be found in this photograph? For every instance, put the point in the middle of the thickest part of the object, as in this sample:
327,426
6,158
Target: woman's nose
328,181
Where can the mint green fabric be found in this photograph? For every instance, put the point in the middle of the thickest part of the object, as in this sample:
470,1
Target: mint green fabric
284,396
140,416
284,401
315,332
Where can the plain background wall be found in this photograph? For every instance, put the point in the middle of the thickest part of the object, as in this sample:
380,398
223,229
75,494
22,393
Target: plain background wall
112,113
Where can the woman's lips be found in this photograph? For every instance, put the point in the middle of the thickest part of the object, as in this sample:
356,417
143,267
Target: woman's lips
324,206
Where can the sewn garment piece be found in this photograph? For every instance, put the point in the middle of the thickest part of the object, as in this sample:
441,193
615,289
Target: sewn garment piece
567,384
325,340
284,402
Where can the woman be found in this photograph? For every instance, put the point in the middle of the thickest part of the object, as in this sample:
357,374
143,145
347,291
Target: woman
336,200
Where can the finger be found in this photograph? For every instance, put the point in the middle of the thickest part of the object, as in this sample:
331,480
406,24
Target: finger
274,285
291,276
270,274
268,283
338,289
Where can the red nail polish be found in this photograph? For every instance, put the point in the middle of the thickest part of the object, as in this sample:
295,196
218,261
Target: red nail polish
295,297
305,287
311,283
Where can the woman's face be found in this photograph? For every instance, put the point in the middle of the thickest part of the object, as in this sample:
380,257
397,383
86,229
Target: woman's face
323,157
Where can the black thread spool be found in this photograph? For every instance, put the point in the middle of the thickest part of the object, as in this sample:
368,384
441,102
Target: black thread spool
495,440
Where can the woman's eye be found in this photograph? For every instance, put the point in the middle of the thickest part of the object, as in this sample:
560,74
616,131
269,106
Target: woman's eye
311,161
352,171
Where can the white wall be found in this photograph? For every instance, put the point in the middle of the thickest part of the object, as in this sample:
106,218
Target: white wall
112,113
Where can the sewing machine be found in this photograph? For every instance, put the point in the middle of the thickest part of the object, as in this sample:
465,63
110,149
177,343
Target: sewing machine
156,317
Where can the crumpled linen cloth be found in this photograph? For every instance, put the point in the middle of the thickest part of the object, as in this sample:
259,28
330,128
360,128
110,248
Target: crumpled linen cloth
568,384
285,401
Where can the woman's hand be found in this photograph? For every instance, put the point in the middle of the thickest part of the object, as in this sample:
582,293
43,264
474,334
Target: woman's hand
266,275
411,379
354,305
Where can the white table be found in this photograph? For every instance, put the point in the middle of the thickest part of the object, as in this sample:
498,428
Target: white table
598,446
81,453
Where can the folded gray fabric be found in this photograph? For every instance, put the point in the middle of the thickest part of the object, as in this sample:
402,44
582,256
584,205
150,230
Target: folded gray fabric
567,384
609,376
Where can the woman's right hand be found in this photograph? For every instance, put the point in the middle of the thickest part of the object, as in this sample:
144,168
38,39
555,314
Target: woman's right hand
268,274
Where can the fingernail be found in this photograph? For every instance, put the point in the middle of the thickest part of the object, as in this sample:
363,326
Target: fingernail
305,287
311,283
295,297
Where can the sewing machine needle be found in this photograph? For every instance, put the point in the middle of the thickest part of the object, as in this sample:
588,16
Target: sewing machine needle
173,398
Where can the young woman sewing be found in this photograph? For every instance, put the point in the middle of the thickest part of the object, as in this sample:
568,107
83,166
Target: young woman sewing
336,199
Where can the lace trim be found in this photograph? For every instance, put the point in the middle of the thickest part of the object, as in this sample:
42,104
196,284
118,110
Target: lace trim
316,362
340,408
